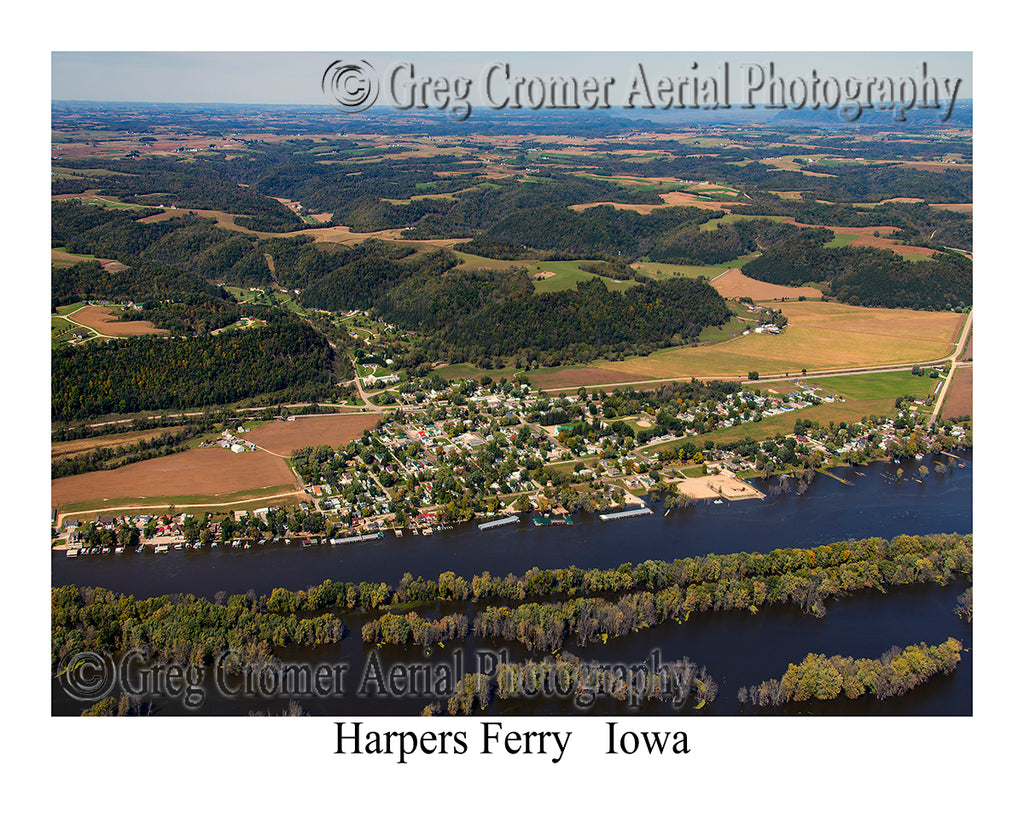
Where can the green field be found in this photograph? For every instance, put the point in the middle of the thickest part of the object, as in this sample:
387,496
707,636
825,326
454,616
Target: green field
452,371
874,386
841,240
471,262
733,327
661,270
568,275
110,202
736,217
869,394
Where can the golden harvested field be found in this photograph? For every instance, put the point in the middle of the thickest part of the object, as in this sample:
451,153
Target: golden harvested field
732,284
690,200
65,449
819,336
208,471
644,209
102,320
283,437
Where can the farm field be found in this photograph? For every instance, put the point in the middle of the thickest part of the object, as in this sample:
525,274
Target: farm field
282,437
65,449
566,276
732,284
199,472
102,320
553,379
872,386
661,270
960,398
820,335
472,262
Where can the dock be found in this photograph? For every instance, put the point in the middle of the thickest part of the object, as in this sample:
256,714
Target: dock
626,513
337,541
500,522
563,520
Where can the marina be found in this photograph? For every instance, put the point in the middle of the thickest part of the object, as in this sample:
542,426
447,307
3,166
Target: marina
558,520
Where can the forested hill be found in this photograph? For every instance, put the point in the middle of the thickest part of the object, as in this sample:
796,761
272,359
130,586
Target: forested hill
285,360
866,276
581,324
458,314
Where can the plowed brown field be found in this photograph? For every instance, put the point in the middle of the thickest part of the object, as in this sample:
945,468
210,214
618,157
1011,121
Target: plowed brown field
208,471
283,437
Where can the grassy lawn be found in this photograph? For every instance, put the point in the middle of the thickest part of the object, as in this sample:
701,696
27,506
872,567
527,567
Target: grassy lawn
734,326
568,275
841,240
464,370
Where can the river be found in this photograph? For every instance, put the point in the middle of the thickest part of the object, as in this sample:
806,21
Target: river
738,649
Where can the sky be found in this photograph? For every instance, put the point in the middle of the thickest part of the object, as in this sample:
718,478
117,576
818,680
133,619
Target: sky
295,77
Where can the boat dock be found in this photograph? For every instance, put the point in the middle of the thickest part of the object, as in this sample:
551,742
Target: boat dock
500,522
563,520
626,513
336,541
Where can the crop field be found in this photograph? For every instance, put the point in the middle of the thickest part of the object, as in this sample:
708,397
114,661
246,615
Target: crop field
960,398
819,336
691,200
65,449
732,284
102,320
553,379
644,209
198,472
874,386
283,437
61,258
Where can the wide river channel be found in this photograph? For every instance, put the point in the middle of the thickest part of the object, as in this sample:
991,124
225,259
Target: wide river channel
737,648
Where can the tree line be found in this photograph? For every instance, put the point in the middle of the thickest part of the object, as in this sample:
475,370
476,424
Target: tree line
180,628
818,677
656,592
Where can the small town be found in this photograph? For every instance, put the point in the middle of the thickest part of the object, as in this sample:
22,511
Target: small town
492,452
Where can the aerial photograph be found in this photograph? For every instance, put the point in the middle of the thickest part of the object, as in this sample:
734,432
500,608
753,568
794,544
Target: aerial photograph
503,385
